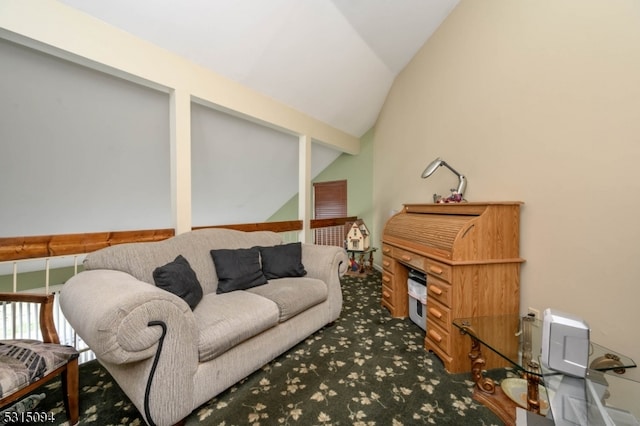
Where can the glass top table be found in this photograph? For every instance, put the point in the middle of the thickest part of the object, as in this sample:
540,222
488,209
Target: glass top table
599,398
518,340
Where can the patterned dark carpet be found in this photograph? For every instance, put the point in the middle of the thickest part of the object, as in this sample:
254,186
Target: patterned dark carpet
365,369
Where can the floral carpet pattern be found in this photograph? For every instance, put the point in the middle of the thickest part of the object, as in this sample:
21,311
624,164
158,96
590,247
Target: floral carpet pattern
367,368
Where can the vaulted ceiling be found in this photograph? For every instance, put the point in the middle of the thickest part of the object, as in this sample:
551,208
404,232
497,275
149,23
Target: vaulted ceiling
332,59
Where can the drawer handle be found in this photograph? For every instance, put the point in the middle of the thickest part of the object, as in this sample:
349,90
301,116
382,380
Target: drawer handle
435,336
436,313
435,289
386,249
386,264
406,258
436,270
386,294
386,279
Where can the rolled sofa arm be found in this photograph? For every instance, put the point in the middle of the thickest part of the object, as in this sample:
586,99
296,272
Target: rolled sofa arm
112,312
146,338
324,262
328,264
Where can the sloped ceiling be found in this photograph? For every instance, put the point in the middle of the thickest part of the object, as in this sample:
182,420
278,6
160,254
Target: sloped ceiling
332,59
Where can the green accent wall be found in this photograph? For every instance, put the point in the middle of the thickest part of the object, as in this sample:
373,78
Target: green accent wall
37,279
357,170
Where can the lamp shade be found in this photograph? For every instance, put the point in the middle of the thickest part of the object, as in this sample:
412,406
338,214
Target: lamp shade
432,167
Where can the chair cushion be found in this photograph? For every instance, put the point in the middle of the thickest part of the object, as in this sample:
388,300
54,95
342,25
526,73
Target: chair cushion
23,362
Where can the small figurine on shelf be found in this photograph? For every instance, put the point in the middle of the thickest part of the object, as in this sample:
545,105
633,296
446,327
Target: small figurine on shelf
455,197
353,265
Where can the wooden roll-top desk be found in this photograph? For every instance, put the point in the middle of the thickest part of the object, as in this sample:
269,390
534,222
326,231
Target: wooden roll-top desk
470,253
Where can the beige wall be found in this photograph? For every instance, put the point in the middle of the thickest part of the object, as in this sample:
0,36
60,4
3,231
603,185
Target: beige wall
534,101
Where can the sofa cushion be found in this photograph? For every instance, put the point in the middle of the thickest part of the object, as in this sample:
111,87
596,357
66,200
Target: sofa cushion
238,269
178,278
225,320
140,259
293,295
281,261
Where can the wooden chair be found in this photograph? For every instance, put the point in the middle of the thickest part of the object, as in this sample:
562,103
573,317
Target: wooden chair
27,364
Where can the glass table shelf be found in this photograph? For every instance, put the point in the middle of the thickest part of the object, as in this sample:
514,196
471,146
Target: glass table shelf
600,398
507,336
518,340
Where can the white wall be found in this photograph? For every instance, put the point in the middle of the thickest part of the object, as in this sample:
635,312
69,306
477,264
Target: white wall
241,172
65,32
80,150
534,101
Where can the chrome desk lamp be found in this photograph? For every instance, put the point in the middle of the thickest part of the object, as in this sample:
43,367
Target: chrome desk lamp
462,181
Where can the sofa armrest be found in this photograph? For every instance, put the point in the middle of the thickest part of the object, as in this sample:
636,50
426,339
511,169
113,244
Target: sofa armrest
324,262
112,312
327,263
146,337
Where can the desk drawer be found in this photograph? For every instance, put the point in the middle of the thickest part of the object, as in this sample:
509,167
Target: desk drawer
387,249
439,314
437,337
387,290
388,263
387,305
439,290
438,269
409,258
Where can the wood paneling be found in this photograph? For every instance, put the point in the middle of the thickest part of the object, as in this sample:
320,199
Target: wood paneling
284,226
335,221
31,247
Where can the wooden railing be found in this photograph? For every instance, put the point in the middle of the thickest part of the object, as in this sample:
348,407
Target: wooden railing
286,226
17,248
32,247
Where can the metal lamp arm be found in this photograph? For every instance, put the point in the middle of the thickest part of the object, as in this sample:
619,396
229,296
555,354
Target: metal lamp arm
462,184
438,162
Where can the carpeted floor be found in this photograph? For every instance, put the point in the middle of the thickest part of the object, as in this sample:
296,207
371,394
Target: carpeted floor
365,369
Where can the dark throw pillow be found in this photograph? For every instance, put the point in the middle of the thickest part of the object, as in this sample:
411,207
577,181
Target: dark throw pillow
178,278
282,261
237,269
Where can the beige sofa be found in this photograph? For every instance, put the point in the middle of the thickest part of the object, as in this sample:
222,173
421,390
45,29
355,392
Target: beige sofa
170,359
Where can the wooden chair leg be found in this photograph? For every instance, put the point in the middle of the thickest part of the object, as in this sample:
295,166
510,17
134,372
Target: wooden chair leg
70,379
